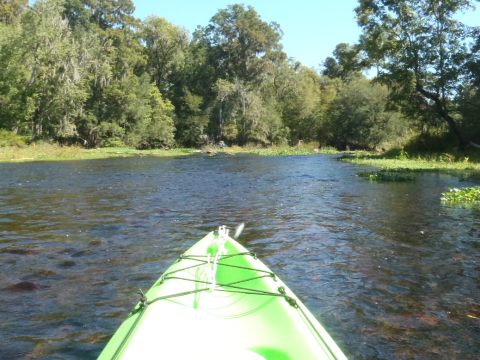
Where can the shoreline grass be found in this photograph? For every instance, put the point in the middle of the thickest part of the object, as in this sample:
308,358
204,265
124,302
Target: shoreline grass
274,150
54,152
397,161
429,162
44,151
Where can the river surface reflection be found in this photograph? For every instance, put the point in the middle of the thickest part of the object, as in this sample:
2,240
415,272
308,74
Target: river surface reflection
388,270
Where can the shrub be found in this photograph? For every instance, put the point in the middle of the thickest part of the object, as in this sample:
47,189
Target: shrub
9,138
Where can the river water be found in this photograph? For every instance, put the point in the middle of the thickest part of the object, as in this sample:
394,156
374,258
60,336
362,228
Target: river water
388,270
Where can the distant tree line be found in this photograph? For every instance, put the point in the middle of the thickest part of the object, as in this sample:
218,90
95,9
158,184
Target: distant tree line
89,72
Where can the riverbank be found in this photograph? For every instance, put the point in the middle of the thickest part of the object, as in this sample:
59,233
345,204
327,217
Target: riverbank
275,150
55,152
424,162
388,161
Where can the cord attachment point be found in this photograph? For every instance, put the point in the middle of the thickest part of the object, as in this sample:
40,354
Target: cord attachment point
143,299
291,301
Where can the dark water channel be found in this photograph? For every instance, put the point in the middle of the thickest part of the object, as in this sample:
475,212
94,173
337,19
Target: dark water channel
389,271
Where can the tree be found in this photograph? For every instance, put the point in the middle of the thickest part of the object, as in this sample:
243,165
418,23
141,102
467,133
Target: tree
346,62
240,45
116,61
165,45
358,117
421,52
12,75
155,129
10,10
245,114
53,92
234,59
193,121
105,14
298,94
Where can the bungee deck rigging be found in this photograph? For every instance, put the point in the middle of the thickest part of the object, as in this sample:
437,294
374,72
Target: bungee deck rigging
228,294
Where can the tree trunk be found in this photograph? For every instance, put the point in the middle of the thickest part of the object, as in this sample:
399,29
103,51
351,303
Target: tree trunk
443,112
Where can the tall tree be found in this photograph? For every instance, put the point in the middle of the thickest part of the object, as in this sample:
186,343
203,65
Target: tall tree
10,10
358,116
298,93
421,51
103,13
241,45
13,75
165,45
53,92
346,61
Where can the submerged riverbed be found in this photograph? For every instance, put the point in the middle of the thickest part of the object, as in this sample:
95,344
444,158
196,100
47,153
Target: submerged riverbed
387,269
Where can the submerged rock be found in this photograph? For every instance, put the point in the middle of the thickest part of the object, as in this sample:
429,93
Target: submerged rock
18,251
22,286
67,264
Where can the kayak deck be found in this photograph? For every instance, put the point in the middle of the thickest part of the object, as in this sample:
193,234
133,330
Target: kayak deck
233,308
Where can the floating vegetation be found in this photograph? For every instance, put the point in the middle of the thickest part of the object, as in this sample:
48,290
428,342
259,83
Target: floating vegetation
387,176
464,197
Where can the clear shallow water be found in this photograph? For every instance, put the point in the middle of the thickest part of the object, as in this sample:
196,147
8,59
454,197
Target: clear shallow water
388,270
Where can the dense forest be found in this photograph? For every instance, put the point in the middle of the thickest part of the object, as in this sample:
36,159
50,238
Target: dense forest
88,72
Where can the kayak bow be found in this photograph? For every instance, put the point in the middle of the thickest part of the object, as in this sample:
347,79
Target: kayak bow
218,301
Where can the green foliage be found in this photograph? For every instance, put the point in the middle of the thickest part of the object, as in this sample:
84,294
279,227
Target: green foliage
420,49
345,64
13,110
43,151
11,10
87,72
52,94
387,176
299,94
358,117
469,106
9,138
192,126
103,14
450,162
430,142
165,46
156,129
464,197
241,45
110,134
403,155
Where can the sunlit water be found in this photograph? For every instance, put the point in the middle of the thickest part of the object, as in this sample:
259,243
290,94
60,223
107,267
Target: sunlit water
388,270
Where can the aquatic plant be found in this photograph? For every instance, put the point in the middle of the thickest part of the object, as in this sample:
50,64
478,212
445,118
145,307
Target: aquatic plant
387,176
464,197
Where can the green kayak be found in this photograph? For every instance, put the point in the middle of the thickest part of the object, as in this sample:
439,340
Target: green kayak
218,301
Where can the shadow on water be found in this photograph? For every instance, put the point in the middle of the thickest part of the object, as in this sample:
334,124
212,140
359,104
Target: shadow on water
387,269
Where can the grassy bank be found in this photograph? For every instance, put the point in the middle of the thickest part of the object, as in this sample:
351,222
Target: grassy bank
417,162
275,150
54,152
387,161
